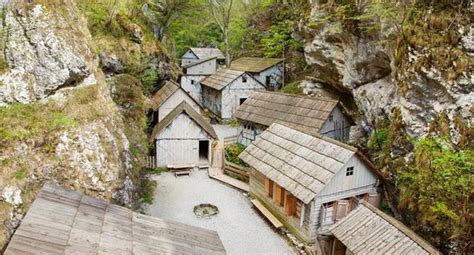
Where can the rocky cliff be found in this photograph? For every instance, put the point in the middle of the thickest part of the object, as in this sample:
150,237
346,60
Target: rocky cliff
61,119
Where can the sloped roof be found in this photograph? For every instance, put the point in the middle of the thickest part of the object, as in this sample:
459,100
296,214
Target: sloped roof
62,221
221,78
205,53
300,163
367,230
254,65
200,61
163,94
301,112
186,108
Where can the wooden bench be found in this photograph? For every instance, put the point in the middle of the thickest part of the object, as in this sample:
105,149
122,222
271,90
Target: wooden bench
275,222
182,172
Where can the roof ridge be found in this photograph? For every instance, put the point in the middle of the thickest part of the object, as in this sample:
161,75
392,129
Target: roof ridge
301,96
200,61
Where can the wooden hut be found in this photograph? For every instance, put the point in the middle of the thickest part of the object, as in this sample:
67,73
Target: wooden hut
167,98
183,139
367,230
195,54
62,221
269,71
314,114
226,90
308,182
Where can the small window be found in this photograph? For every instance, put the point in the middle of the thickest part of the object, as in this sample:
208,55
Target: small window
350,171
242,100
267,80
244,78
192,82
331,117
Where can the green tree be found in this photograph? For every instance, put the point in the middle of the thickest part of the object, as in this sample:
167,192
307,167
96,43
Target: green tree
278,40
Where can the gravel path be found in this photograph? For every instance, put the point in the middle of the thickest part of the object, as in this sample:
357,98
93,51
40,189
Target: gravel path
240,228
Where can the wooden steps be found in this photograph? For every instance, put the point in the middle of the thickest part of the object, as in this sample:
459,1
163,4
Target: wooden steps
275,222
182,172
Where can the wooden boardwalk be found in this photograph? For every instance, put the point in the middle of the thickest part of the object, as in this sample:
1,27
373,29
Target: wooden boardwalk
218,174
276,223
62,221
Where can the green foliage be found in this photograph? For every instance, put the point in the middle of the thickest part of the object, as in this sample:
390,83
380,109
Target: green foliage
149,78
232,154
23,121
279,39
20,174
157,170
292,88
378,139
438,189
147,191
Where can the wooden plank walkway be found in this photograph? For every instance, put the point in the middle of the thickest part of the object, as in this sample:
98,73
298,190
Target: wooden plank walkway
218,174
276,223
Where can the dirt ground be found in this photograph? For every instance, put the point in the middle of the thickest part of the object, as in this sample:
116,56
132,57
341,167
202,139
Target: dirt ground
240,227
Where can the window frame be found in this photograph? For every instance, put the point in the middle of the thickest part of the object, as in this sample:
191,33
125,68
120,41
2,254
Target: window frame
350,171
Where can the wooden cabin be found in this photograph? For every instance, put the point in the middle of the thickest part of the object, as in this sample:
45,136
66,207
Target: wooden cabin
224,91
367,230
269,71
62,221
308,182
167,99
195,54
183,138
316,114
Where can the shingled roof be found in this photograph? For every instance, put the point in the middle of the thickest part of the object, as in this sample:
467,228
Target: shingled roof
221,78
163,94
301,112
184,107
205,53
301,163
62,221
367,230
200,61
254,65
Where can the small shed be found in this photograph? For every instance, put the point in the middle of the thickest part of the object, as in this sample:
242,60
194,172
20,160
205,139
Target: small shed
62,221
194,54
167,98
205,66
226,90
269,71
367,230
308,182
315,114
184,138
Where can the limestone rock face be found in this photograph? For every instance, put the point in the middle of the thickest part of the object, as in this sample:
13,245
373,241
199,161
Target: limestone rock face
44,50
365,67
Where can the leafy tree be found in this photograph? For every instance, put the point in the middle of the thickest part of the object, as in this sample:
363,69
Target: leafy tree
162,13
278,40
221,11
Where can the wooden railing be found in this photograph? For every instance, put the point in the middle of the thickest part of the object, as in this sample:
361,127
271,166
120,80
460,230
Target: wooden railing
230,140
150,161
236,171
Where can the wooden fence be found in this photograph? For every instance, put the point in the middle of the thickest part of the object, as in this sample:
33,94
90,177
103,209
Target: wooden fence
236,171
230,140
150,161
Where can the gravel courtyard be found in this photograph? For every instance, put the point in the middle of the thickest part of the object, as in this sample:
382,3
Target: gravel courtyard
240,228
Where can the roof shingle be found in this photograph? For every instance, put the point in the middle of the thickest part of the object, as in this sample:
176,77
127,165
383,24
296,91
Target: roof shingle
254,65
221,78
205,53
163,94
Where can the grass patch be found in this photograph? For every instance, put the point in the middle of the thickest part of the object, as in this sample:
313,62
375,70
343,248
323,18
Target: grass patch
156,170
378,139
232,154
232,122
292,88
147,191
20,174
22,121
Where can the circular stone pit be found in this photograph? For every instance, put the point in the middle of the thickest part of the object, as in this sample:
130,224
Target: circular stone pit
205,210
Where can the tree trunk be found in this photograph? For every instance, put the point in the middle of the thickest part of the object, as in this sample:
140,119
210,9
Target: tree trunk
227,47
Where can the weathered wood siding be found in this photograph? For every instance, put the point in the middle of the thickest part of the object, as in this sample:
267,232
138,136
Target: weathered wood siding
188,58
178,144
205,68
211,99
236,90
338,128
248,132
276,76
341,187
192,85
295,224
173,101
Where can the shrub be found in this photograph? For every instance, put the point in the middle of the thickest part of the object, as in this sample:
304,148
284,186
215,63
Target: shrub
232,154
378,139
292,88
148,188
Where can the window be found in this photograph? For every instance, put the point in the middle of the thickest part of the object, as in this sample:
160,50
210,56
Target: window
269,187
242,100
279,197
350,171
331,117
267,80
290,205
244,78
192,82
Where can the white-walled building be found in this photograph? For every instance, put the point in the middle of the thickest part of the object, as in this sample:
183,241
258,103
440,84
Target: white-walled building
167,99
192,85
195,54
313,114
183,138
226,90
206,66
308,182
269,71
